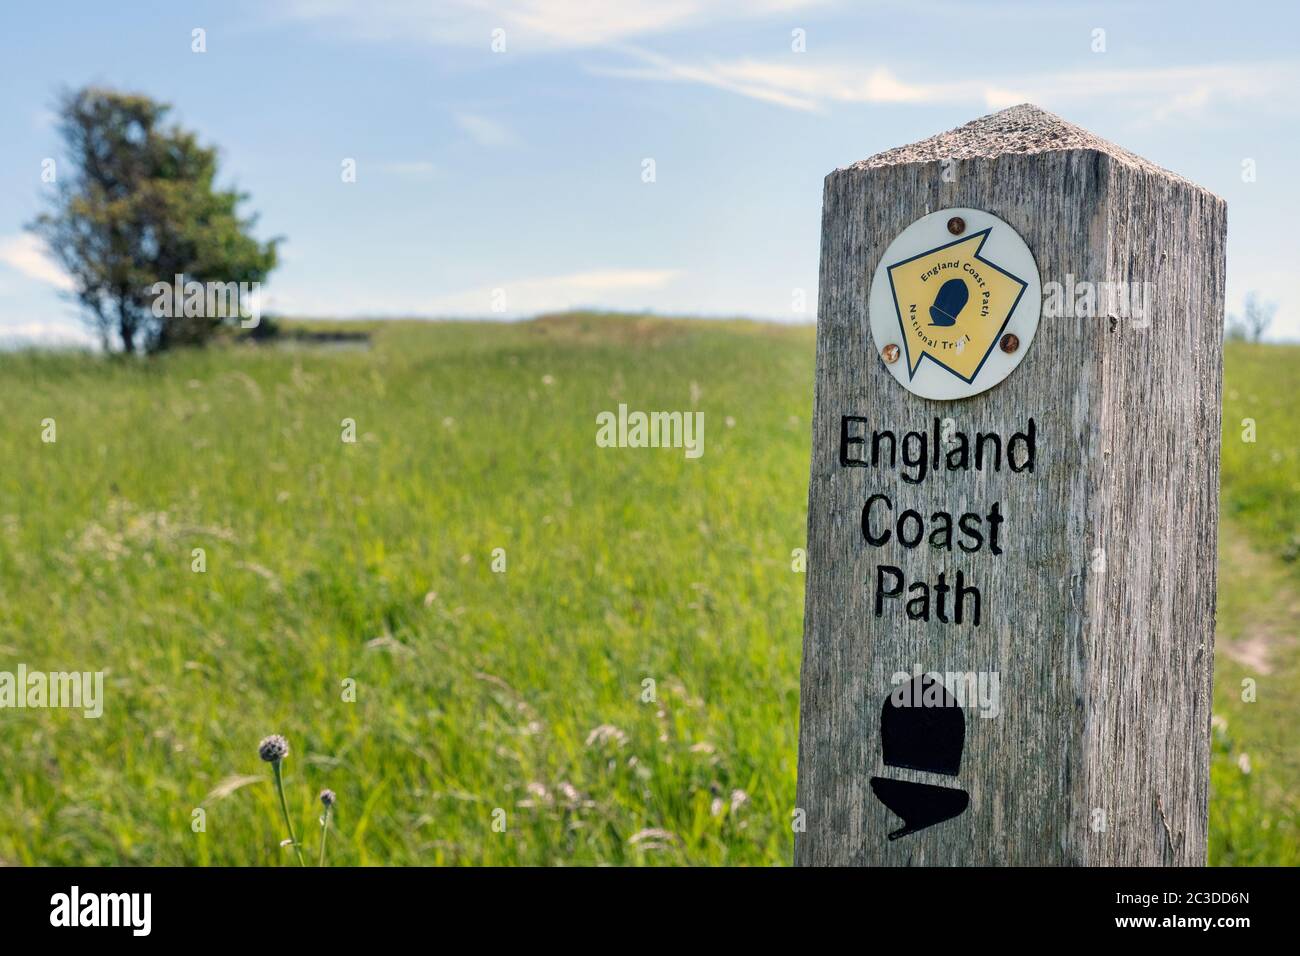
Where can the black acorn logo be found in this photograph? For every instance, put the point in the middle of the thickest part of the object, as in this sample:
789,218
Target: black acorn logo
921,728
948,304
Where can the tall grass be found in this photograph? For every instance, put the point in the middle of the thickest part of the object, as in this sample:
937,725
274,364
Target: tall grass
625,692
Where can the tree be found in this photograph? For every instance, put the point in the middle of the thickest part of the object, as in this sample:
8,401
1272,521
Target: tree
139,208
1258,316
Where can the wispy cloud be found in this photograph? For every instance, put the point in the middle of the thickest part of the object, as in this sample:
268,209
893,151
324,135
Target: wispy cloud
484,131
746,78
47,334
530,25
531,296
28,255
806,83
607,288
815,85
415,168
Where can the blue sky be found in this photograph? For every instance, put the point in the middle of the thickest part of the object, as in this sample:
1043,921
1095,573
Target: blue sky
522,170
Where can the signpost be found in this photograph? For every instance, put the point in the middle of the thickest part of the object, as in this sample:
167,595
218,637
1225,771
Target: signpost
1012,511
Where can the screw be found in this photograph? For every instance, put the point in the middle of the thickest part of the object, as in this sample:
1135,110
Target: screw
890,353
956,225
1010,343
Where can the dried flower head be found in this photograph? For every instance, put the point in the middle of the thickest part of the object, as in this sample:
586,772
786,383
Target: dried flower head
273,748
327,798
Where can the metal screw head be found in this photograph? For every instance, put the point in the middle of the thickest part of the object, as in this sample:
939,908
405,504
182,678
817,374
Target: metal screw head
890,353
1010,343
956,225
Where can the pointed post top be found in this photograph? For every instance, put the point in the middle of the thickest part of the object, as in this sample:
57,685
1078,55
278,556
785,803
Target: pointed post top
1022,129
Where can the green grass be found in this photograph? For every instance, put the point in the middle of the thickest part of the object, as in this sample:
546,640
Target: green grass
1255,770
524,691
1261,473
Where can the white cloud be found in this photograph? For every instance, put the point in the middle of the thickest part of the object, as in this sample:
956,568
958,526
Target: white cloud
604,288
484,131
27,254
813,84
530,25
531,296
48,334
1159,94
416,168
720,76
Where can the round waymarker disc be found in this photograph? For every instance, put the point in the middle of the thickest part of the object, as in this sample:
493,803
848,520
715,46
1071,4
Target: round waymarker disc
954,303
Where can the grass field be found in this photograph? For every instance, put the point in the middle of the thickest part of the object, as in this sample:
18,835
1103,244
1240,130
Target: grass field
371,562
1255,815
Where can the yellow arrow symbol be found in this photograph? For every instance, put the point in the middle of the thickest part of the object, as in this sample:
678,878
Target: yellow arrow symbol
953,305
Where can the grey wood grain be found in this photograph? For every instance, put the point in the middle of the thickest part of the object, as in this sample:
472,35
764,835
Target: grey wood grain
1105,674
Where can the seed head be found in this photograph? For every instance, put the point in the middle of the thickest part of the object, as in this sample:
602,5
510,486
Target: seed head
273,748
327,798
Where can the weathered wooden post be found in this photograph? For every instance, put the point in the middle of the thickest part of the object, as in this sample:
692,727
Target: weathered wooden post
1012,512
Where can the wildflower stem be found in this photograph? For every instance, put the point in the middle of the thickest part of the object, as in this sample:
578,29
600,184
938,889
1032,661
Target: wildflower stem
325,832
284,809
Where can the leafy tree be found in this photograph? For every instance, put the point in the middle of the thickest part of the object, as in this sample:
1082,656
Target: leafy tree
141,207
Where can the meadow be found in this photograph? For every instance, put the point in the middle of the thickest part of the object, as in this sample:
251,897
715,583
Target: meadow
200,530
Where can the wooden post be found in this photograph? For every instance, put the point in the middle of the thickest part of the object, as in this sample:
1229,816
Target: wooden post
1071,724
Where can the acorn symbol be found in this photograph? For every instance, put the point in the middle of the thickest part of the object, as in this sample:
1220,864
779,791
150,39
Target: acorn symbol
920,735
949,302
